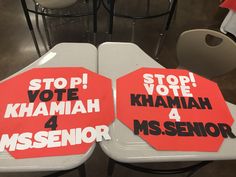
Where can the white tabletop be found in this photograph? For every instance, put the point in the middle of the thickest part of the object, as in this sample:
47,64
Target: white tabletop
118,59
62,55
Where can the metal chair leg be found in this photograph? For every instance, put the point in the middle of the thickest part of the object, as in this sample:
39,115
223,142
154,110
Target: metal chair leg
94,20
23,3
161,38
37,26
175,11
82,170
172,10
46,31
111,167
167,22
86,21
133,30
159,44
111,16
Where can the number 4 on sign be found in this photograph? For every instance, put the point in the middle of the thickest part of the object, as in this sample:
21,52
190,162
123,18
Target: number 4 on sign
51,123
174,114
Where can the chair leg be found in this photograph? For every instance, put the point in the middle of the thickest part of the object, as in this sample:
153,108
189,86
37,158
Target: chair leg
133,30
37,26
161,39
172,11
148,7
23,3
46,31
159,44
86,21
111,16
111,167
95,21
166,28
82,170
175,11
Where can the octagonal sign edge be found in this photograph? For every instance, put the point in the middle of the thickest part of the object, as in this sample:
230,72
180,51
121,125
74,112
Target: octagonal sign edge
173,109
54,111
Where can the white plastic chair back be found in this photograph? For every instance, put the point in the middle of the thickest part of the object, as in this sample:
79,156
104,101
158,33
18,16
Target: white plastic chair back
197,55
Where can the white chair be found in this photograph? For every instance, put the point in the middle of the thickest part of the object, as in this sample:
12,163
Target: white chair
168,13
196,53
47,8
76,55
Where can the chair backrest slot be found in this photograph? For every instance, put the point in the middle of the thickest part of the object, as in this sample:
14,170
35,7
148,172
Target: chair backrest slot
213,40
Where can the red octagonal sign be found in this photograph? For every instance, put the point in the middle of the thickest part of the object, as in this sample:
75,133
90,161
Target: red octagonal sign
173,109
54,111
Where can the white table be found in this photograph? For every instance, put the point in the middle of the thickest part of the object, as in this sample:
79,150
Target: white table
118,59
62,55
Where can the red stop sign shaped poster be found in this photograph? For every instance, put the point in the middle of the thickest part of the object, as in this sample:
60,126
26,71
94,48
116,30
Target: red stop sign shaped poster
54,112
173,109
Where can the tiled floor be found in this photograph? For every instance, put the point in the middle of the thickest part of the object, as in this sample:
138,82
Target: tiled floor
17,51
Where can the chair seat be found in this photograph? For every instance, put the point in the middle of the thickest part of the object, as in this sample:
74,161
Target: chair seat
56,4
